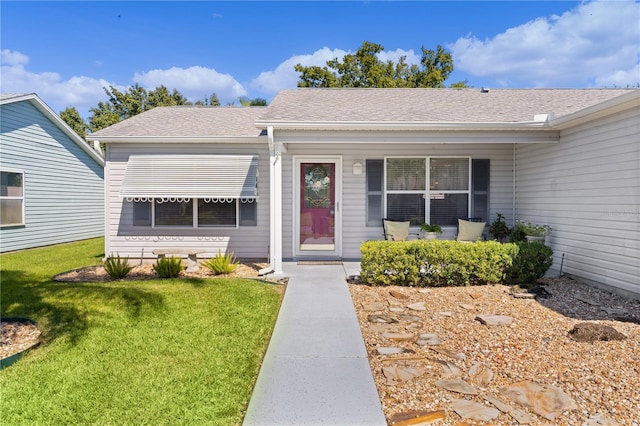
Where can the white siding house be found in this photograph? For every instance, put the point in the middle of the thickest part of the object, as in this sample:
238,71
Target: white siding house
52,188
331,163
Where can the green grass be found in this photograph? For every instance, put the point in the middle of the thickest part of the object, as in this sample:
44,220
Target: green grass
175,351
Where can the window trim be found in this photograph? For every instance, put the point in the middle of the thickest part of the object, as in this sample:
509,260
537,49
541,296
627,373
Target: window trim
22,198
427,193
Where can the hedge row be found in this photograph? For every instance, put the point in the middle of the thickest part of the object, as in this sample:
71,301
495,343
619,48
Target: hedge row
435,262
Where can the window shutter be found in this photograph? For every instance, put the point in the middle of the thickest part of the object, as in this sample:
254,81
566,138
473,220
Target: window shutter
480,173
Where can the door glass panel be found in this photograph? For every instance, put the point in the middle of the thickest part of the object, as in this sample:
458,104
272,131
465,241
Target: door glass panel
317,206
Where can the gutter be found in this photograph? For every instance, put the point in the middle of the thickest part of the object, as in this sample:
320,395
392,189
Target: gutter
405,125
271,267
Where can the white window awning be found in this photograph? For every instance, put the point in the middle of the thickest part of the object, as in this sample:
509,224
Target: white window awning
191,176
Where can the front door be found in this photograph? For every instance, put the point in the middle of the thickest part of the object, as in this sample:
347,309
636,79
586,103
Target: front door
318,208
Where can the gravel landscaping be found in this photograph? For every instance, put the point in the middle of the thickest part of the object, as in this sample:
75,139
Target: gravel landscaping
426,345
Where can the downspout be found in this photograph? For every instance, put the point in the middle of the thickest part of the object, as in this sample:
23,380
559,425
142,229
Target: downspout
513,199
274,159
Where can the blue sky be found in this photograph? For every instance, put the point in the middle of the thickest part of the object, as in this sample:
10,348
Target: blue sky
67,51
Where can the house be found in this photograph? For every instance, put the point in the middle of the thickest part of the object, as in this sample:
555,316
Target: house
311,175
52,186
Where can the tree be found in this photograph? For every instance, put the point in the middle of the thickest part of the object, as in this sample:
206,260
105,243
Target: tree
72,117
210,101
365,69
244,101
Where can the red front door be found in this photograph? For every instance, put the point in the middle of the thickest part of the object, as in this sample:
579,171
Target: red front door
317,206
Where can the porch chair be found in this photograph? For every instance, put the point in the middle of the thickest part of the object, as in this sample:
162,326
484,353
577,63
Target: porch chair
395,230
470,229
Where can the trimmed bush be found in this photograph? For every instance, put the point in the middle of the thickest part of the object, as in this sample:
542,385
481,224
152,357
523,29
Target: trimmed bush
531,262
435,262
221,264
117,267
168,267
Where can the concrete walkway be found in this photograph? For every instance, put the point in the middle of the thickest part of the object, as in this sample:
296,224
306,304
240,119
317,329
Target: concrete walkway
316,370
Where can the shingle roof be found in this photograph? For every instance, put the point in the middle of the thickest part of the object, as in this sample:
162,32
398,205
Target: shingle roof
429,105
7,96
188,121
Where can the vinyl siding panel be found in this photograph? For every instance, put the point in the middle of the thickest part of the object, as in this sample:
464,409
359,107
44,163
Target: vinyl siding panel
587,188
63,185
354,227
137,241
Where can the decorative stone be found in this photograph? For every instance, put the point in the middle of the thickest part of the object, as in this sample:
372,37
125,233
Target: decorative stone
617,312
401,337
425,291
467,307
395,309
520,416
394,302
450,370
447,352
445,314
457,385
410,318
591,332
480,375
600,420
473,410
381,319
547,401
398,294
394,373
408,418
525,295
494,320
586,300
428,339
385,350
476,295
373,306
419,306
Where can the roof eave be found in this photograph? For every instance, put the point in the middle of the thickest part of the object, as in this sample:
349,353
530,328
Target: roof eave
612,106
178,139
404,125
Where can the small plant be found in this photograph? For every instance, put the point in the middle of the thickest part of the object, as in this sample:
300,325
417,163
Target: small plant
168,267
431,228
532,229
221,264
117,267
530,263
499,229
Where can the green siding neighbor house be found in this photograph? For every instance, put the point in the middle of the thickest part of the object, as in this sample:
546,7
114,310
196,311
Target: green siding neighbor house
52,182
323,166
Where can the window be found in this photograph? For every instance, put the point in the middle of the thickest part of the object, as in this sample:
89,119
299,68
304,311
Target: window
405,185
209,212
11,198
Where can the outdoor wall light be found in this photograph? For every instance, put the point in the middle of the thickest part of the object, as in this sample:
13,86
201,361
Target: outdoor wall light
357,168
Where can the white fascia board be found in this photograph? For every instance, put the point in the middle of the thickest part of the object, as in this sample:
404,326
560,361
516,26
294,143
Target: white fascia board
612,106
55,118
176,139
404,125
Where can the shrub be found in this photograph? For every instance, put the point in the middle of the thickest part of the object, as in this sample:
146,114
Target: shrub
530,263
117,267
221,264
168,267
498,228
434,262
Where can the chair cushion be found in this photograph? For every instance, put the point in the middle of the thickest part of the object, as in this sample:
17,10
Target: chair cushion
397,231
470,231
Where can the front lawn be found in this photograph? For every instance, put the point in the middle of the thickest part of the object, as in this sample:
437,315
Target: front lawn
178,351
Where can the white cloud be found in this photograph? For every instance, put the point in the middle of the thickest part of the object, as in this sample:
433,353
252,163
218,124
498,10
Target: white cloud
286,77
593,45
394,55
78,91
194,82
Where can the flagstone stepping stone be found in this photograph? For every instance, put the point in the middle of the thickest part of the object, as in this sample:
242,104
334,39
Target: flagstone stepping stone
386,350
547,401
591,332
410,318
450,370
428,339
475,295
600,420
408,418
494,320
445,314
395,373
419,306
398,294
480,375
402,337
474,410
381,319
457,385
448,352
520,416
373,306
397,310
467,307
